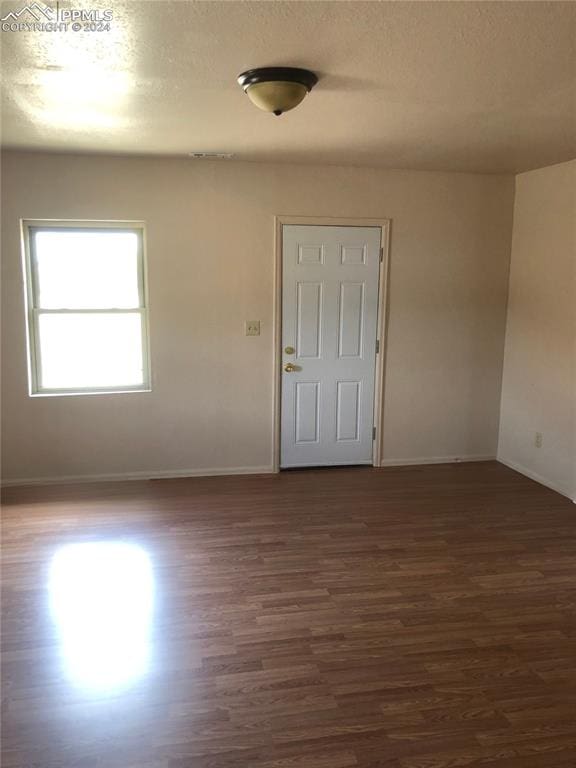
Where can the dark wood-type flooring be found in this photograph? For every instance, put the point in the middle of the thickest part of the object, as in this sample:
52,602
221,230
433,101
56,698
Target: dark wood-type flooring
398,618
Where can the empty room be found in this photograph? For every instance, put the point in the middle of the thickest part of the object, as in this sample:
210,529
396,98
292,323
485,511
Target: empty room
288,384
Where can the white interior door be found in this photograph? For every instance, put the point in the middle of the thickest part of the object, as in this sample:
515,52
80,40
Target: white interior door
330,278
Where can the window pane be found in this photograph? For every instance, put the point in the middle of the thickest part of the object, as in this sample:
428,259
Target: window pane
87,270
90,350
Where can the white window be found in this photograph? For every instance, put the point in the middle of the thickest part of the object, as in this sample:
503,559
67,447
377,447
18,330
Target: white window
86,306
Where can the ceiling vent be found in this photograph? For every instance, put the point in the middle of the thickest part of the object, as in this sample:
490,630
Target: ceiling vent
211,155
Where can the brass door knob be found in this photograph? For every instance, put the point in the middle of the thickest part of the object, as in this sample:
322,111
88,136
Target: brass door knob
289,367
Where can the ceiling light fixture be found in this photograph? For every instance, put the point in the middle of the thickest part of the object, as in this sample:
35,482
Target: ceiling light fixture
277,89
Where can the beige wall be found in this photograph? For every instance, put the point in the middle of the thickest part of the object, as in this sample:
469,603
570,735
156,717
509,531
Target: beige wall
539,387
210,263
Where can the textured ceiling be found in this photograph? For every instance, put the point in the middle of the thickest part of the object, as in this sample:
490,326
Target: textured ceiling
467,86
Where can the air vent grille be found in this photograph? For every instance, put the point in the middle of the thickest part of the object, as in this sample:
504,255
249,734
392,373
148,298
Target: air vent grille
211,155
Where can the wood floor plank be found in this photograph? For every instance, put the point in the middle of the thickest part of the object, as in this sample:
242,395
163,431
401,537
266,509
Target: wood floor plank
417,617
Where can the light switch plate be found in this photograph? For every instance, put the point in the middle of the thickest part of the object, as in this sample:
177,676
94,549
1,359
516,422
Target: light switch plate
252,327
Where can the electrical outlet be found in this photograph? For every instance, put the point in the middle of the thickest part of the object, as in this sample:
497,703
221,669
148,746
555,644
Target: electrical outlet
252,327
538,439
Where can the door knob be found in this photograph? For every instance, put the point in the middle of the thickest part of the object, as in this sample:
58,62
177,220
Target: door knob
289,367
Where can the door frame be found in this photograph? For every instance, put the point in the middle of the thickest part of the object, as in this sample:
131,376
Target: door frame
381,323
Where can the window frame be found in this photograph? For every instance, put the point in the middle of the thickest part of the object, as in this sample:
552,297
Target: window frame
28,228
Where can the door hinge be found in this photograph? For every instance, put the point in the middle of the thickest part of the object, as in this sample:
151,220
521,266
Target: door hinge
373,433
377,346
382,253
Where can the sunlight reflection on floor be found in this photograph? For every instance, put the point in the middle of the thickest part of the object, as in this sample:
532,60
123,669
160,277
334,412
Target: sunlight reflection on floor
101,598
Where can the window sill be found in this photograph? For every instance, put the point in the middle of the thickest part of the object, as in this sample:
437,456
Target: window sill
75,393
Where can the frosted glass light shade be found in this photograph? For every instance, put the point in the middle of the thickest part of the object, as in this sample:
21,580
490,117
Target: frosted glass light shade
276,96
277,89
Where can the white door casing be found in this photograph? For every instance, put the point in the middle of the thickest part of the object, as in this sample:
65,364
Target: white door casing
330,281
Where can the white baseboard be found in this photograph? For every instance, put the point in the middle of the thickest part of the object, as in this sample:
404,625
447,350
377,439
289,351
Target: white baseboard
121,476
536,477
267,470
435,460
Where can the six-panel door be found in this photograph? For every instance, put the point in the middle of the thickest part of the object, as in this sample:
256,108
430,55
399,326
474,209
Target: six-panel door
330,278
